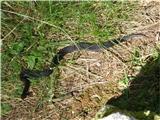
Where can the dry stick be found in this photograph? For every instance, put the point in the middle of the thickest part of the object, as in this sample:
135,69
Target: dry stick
121,44
114,53
44,22
117,56
68,94
157,44
13,29
141,28
11,32
31,46
84,71
124,46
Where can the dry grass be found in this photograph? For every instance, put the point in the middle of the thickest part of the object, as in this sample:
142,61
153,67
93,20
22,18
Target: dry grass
81,85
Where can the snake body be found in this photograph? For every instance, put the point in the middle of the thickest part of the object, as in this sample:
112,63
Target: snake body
26,74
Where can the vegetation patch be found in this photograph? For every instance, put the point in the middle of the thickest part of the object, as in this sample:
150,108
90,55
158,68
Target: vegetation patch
33,32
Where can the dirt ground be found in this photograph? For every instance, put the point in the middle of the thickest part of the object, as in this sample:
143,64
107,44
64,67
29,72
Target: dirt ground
85,86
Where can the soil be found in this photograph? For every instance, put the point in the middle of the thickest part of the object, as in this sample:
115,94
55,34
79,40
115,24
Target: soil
86,85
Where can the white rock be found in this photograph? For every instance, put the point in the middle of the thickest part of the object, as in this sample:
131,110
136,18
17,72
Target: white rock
117,116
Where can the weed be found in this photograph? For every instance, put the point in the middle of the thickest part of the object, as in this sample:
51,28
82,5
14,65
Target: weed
33,31
5,108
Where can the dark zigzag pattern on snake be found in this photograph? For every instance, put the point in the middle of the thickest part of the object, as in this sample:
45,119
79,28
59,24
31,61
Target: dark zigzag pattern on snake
26,74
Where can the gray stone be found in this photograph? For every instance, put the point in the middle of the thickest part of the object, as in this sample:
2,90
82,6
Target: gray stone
117,116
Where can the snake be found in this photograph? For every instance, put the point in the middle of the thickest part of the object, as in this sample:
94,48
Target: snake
27,74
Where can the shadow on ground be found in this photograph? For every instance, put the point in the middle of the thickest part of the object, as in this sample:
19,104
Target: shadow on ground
144,91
